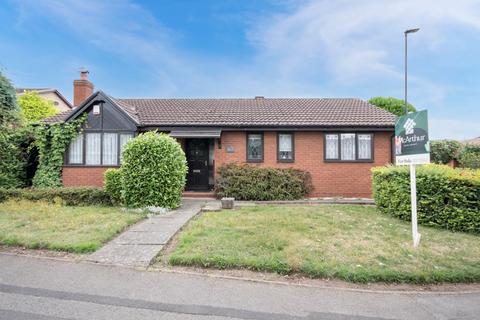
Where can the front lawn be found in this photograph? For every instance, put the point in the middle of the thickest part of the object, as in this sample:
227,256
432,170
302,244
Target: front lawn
349,242
39,225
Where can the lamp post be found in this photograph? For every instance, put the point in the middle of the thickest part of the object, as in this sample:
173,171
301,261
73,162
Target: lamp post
413,179
406,33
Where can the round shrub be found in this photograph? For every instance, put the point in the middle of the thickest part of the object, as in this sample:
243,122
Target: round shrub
113,184
153,171
442,151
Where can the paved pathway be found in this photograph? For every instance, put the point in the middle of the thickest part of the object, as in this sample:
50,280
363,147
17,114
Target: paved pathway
137,246
39,289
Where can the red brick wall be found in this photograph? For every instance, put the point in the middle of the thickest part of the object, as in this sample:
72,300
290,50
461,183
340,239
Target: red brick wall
329,179
83,176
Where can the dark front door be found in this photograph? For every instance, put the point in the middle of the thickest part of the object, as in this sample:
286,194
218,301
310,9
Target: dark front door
197,158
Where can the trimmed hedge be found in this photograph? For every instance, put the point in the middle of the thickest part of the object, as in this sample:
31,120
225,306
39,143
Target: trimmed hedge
65,196
153,171
246,182
446,197
113,184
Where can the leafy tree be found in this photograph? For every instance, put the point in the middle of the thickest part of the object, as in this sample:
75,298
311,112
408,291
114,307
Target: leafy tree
470,156
393,105
442,151
12,160
8,103
34,108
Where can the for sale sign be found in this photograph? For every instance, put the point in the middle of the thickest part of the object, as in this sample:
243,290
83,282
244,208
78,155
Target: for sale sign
411,139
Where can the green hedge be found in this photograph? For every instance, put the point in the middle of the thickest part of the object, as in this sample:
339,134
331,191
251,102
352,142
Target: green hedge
65,196
113,184
153,171
446,197
246,182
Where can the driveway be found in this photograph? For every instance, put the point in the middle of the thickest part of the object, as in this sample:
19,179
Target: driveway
36,288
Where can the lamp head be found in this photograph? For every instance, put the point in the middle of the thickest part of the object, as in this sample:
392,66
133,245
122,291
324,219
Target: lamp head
411,30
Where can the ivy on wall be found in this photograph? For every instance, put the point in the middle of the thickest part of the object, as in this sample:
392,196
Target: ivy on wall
52,140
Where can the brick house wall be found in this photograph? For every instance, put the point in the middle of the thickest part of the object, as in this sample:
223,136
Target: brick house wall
329,178
80,176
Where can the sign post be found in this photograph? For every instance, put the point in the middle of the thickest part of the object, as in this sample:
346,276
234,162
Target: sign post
412,147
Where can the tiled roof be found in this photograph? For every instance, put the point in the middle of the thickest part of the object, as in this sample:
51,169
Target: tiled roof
257,112
298,112
62,116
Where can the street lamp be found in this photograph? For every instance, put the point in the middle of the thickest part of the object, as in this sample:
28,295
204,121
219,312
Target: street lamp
406,33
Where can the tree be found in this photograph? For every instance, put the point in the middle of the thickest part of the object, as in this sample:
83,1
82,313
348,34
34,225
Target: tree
393,105
12,160
34,108
8,103
470,156
442,151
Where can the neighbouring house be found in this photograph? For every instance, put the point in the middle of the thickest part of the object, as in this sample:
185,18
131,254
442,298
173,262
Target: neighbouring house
337,140
59,101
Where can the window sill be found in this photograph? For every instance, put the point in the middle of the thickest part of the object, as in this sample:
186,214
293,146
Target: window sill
348,161
254,161
91,165
285,161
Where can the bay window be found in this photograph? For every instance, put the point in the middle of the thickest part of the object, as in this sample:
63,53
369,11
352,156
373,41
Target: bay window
348,147
98,148
285,147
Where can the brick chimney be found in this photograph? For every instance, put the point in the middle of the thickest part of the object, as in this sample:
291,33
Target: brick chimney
82,88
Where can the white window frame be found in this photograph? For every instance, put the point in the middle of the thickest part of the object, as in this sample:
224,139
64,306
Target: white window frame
339,147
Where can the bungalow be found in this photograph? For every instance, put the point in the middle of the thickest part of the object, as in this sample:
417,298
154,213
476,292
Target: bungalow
337,140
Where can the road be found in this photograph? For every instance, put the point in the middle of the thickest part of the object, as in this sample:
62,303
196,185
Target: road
40,289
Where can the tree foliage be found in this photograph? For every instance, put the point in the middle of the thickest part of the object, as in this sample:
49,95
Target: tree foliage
442,151
8,103
34,108
52,140
393,105
470,156
12,162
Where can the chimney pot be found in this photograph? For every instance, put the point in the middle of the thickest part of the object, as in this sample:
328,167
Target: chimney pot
84,74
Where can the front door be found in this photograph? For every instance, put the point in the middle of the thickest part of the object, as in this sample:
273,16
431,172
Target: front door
197,158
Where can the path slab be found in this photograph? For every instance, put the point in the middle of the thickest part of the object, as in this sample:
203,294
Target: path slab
140,244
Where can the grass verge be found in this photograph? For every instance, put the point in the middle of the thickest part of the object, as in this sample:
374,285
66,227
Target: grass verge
40,225
349,242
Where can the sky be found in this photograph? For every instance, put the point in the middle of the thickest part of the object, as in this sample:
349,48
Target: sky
239,48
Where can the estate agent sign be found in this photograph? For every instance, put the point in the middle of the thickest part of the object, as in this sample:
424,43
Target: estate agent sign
411,139
412,148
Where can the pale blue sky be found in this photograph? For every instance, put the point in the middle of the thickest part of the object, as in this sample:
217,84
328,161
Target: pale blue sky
238,48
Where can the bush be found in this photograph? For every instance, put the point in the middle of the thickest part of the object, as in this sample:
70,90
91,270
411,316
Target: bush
245,182
154,169
66,196
113,184
442,151
446,197
470,156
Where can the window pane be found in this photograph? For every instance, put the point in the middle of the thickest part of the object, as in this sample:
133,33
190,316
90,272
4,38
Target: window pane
93,148
364,146
285,146
75,152
255,148
347,141
124,138
332,146
109,156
